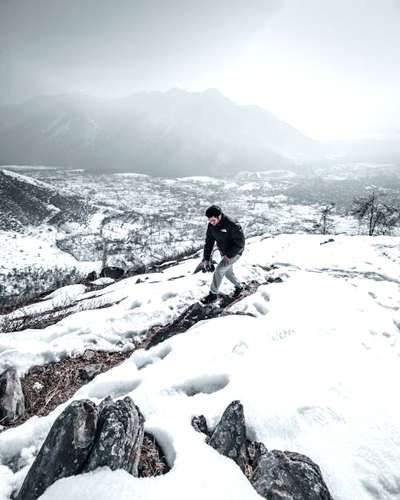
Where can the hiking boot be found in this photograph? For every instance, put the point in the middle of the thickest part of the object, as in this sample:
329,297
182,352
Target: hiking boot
238,291
211,297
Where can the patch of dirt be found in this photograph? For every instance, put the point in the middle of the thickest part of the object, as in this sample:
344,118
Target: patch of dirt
152,461
46,387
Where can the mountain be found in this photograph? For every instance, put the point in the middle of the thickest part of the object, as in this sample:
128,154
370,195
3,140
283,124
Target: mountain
314,359
166,134
26,201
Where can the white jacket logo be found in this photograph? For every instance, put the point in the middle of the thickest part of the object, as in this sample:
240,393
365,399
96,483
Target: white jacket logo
224,231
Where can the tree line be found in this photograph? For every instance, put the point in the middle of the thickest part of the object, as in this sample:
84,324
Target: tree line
374,216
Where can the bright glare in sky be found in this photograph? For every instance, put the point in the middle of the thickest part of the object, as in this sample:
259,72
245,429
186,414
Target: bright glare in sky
330,69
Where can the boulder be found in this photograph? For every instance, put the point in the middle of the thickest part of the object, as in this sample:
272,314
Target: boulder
119,437
275,280
12,401
64,451
89,372
229,436
275,475
83,438
112,272
92,276
193,314
200,424
199,312
290,476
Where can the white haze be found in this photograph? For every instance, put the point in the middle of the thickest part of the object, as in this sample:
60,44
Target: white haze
330,69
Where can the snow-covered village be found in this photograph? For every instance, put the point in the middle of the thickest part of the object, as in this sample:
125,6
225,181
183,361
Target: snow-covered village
308,355
199,250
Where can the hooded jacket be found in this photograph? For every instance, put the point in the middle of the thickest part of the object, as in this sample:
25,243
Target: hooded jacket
228,234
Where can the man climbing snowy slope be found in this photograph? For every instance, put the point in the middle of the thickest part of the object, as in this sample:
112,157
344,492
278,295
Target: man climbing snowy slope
228,234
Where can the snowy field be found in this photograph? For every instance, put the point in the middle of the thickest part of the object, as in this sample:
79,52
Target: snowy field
167,216
315,365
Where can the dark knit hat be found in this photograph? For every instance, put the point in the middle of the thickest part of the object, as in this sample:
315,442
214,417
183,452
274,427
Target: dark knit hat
213,211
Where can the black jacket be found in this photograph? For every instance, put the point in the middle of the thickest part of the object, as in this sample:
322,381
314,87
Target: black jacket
228,234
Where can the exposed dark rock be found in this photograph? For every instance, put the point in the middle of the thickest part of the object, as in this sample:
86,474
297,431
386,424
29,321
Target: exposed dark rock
34,369
331,240
140,269
275,280
89,372
12,402
253,452
287,475
119,437
92,276
64,451
229,436
275,475
85,437
196,312
88,355
176,277
200,424
112,272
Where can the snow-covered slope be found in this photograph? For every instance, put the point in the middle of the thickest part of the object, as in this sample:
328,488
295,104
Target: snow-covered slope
315,364
27,201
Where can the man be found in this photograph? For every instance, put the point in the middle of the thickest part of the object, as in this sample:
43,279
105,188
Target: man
229,236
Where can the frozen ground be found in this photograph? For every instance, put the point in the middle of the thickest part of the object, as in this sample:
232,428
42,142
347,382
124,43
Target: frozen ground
167,216
316,366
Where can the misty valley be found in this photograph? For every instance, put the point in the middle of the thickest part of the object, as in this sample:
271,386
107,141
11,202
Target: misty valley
58,224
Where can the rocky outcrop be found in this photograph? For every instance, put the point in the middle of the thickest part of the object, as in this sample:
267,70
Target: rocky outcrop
275,475
12,402
200,424
289,475
229,436
199,312
89,372
83,438
65,450
112,272
92,276
195,313
119,437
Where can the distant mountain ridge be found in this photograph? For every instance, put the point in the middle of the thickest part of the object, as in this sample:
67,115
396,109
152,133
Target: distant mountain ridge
165,134
25,201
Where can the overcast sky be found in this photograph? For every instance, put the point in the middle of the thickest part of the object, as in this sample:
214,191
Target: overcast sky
331,68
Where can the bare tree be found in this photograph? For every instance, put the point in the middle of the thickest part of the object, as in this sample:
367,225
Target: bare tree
324,224
378,217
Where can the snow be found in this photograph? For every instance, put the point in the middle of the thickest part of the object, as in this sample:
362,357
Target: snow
34,182
37,252
316,367
103,281
21,250
251,186
199,178
132,175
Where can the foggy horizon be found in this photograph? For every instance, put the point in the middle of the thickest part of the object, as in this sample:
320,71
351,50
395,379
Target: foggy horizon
331,71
